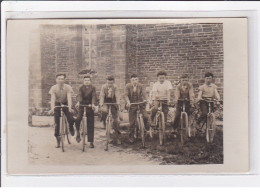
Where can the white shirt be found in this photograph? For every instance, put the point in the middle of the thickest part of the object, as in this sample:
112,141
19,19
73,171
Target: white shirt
162,89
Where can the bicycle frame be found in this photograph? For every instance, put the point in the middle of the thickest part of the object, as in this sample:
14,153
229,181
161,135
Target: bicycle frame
139,121
108,122
184,114
161,124
62,131
210,122
84,123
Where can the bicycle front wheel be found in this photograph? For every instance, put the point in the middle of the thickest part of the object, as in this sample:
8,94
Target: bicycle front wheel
108,129
211,127
67,131
84,128
62,133
161,128
142,130
184,126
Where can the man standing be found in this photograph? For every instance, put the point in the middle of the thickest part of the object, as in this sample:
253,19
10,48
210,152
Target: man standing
110,94
161,90
61,95
86,96
135,93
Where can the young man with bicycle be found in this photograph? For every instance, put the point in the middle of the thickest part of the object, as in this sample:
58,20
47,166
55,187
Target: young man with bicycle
161,90
86,96
207,91
110,94
61,95
184,90
135,93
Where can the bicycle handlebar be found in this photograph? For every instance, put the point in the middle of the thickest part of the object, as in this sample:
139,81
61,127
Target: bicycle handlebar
184,100
137,103
209,100
111,104
62,106
89,105
162,99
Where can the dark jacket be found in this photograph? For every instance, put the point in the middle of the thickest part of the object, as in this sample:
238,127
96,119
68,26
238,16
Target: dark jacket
141,93
87,95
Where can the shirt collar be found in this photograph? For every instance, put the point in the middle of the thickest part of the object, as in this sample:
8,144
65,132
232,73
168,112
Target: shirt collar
61,87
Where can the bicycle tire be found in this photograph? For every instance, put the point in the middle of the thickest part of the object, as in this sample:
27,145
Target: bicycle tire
161,128
183,126
108,128
211,127
67,131
62,134
142,130
84,128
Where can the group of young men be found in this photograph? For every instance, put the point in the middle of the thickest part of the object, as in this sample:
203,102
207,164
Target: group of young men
135,92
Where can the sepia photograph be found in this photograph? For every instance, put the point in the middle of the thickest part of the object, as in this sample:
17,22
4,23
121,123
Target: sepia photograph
125,93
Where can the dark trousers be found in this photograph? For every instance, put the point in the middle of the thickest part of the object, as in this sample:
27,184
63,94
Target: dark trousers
57,114
165,109
178,113
204,108
133,117
114,112
90,122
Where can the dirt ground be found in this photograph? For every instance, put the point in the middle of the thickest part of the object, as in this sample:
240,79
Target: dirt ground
41,150
194,151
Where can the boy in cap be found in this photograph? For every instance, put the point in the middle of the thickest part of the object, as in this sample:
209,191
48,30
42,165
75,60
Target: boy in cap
61,95
86,96
134,93
110,94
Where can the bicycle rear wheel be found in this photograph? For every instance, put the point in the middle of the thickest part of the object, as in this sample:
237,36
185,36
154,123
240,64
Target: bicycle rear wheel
142,130
108,129
161,128
84,128
62,134
211,127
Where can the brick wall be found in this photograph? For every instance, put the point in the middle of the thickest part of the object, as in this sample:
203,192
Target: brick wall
180,48
121,50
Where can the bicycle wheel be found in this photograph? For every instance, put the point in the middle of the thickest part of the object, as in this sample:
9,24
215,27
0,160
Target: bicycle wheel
108,129
62,133
161,128
211,127
184,126
84,128
67,131
142,130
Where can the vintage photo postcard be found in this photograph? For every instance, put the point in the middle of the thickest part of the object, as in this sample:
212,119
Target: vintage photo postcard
127,96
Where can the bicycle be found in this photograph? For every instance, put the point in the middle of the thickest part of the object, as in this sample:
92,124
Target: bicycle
140,122
184,120
63,130
160,121
211,120
109,120
83,125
